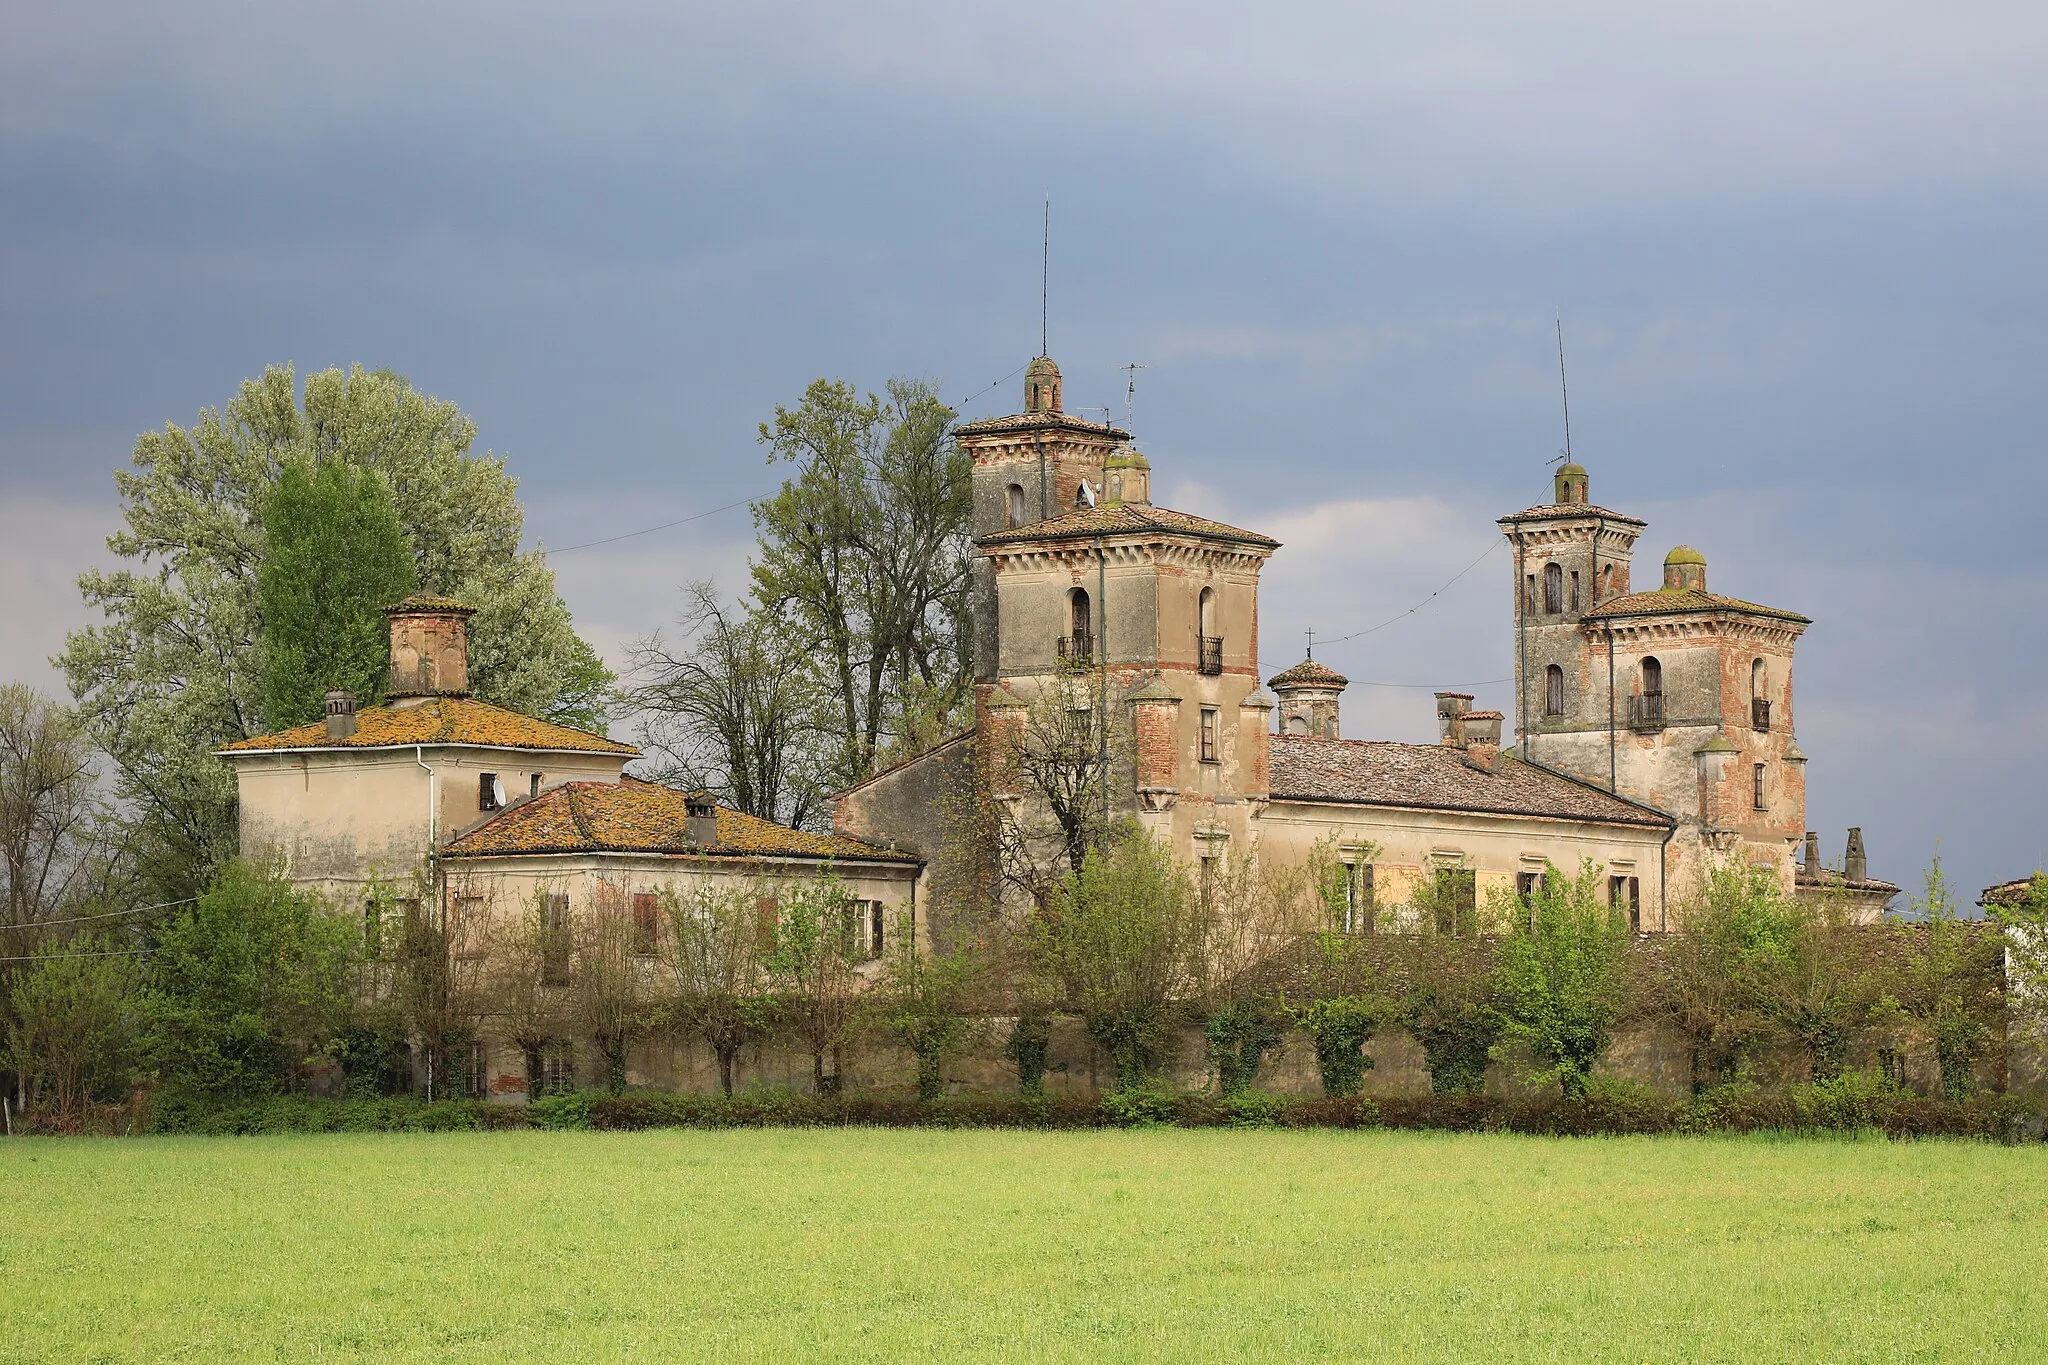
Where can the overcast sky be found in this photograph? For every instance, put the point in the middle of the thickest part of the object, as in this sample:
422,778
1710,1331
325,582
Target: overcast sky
1798,251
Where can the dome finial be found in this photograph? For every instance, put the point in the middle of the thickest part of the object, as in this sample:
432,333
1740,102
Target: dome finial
1685,569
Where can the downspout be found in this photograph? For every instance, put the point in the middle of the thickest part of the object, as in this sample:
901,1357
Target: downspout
1044,493
419,756
1521,648
1611,776
1102,641
1663,904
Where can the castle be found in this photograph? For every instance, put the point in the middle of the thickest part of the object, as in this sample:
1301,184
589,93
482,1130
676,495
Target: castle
1653,730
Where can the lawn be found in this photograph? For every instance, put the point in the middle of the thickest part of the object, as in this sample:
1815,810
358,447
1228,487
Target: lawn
886,1244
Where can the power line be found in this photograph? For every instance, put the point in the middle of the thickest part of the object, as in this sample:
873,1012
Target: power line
87,919
1436,687
1360,634
666,525
1004,380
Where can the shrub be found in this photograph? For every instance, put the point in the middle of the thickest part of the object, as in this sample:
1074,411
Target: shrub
567,1111
1560,976
1141,1107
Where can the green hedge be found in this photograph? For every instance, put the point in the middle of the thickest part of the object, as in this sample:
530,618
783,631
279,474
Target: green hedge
1852,1104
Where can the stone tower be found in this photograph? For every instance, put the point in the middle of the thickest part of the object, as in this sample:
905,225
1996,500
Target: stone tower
1307,696
1677,697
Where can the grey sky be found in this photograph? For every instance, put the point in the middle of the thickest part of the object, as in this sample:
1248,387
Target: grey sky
1798,255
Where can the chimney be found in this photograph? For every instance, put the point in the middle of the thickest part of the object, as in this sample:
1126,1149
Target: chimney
1482,739
429,647
1812,854
1450,718
1855,866
700,826
341,715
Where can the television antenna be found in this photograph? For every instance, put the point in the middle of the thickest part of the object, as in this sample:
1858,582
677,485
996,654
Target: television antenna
1563,392
1044,275
1130,388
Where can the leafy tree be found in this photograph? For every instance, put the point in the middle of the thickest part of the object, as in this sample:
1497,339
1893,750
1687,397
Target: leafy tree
718,981
2024,918
1339,999
1253,916
336,556
1946,983
1819,992
923,1001
245,984
1561,977
735,710
1122,938
1715,980
533,1010
60,852
610,984
69,1033
175,669
810,966
865,552
1445,998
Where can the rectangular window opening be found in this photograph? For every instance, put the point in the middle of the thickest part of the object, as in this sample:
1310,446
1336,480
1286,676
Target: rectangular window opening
1757,795
1208,734
486,791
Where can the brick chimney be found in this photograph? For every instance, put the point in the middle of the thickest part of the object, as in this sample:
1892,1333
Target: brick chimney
1450,718
700,821
429,648
341,715
1482,739
1813,853
1855,865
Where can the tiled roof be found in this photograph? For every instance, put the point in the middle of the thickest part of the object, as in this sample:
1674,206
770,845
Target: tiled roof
439,720
1308,673
424,601
2013,893
1828,877
1436,777
640,817
1670,601
1572,509
1040,421
1127,518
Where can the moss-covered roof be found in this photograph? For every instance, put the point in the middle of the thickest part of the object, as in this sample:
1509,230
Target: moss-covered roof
1684,554
1674,601
1308,673
441,721
427,602
631,816
1126,519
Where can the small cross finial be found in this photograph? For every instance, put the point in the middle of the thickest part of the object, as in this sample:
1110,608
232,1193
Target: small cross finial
1311,642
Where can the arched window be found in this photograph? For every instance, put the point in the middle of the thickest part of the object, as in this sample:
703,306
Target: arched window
1016,505
1756,681
1083,621
1297,725
1553,691
1653,676
1207,611
1553,589
1209,640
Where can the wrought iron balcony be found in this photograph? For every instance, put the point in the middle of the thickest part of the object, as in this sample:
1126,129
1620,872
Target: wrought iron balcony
1759,714
1646,711
1077,649
1212,654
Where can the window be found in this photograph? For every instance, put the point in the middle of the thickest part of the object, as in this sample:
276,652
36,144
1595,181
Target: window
1757,680
1626,893
1525,886
875,922
1653,677
1209,641
557,1069
1209,734
1553,589
1457,900
533,785
554,940
1607,581
487,791
1573,600
1015,512
1553,691
476,1073
1080,642
646,923
1206,886
1757,798
1531,596
1650,705
467,929
1359,906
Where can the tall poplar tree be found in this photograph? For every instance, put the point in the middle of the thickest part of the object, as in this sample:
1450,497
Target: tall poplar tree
337,556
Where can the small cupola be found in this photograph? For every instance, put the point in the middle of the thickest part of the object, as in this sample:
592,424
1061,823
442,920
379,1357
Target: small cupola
1042,386
1127,477
1309,694
1573,488
1685,570
429,647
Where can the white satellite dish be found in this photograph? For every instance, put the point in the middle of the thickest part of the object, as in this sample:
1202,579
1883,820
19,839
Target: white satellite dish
1087,493
498,791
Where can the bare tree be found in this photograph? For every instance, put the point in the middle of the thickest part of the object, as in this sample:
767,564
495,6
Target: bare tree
810,963
531,1006
56,833
612,985
733,710
720,988
1074,742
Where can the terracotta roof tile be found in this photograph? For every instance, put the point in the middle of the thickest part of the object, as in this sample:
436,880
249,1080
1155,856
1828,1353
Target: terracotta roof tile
1040,421
439,720
1436,777
1572,509
1670,601
641,817
1127,518
1309,673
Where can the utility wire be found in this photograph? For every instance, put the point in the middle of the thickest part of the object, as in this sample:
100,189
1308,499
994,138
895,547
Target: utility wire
86,919
1436,687
1360,634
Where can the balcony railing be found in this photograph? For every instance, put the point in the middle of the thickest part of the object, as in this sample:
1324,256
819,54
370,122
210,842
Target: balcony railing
1212,654
1646,710
1759,714
1077,649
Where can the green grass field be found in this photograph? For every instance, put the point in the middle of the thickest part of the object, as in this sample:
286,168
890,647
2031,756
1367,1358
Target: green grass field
887,1244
